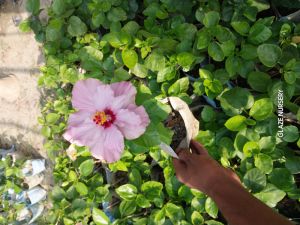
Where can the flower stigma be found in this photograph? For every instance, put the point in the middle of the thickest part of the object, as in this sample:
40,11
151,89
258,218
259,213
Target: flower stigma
104,118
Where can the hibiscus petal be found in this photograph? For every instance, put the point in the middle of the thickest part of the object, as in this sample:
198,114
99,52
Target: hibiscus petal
83,133
132,123
91,95
78,118
83,92
125,94
140,110
110,146
124,88
103,97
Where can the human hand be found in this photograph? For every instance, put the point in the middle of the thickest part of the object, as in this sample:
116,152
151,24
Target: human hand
200,171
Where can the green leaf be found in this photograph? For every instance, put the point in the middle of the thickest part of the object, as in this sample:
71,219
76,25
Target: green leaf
121,75
142,202
68,75
127,192
150,138
259,33
290,133
164,133
269,54
76,27
270,195
185,59
250,148
185,193
127,208
129,57
58,7
53,30
290,77
174,212
33,6
267,144
156,110
208,114
236,123
259,81
151,189
216,52
223,34
206,137
131,27
255,180
68,221
52,118
261,109
116,14
58,194
118,166
140,70
135,177
211,19
205,74
98,19
282,179
197,218
211,208
228,47
143,94
46,131
213,222
242,27
91,58
180,86
166,74
232,65
293,164
99,217
235,100
264,163
81,188
24,26
86,167
248,51
203,39
72,175
118,39
155,62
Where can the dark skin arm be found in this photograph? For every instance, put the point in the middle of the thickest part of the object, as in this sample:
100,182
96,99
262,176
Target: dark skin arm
198,170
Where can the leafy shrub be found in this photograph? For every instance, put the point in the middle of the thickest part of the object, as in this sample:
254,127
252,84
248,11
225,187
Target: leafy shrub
11,179
231,53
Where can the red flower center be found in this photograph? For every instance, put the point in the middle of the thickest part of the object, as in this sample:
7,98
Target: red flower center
104,118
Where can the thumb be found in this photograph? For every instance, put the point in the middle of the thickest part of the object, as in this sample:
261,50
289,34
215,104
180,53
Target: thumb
179,164
198,148
184,155
180,169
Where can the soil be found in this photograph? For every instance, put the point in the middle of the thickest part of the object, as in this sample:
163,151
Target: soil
290,208
176,123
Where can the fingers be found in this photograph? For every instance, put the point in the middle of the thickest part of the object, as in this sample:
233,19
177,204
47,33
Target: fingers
198,148
180,169
179,165
184,155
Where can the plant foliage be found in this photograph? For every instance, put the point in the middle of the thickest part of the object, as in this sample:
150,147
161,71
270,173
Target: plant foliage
233,52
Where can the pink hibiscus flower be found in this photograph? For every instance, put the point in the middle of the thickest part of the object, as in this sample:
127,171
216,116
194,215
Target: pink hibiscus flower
105,115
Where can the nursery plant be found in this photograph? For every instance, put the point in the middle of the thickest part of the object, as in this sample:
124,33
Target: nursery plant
234,62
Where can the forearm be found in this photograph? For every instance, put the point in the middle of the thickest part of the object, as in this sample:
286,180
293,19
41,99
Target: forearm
239,207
